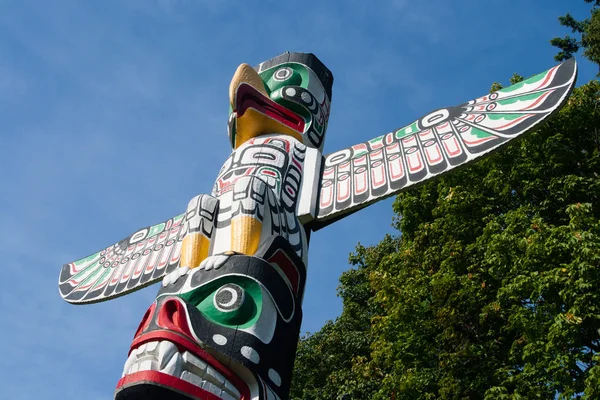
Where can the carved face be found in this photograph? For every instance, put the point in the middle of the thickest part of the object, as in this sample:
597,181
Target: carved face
289,94
221,333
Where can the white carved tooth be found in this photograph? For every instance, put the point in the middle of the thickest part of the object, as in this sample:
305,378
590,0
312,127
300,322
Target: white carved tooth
191,378
141,349
151,346
166,350
128,363
195,363
134,368
215,377
226,396
133,353
232,389
145,365
214,389
174,365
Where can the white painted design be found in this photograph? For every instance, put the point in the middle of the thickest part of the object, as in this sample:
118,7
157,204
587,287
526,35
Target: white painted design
219,339
250,354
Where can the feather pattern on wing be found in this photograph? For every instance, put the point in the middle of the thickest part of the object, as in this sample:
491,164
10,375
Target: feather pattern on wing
444,139
137,261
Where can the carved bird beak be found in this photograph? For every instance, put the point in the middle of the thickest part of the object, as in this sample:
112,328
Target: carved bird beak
255,113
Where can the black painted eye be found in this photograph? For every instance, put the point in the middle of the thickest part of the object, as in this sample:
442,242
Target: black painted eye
229,297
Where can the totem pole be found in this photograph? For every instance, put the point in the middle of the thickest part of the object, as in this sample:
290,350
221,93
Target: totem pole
226,320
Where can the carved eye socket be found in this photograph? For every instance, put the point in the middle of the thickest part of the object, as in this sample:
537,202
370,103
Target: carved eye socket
283,74
228,301
229,297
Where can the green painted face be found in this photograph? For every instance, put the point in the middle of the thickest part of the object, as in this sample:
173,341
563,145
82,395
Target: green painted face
297,88
231,301
284,76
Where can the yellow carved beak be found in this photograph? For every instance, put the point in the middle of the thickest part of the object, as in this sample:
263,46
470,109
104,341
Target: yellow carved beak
255,113
245,74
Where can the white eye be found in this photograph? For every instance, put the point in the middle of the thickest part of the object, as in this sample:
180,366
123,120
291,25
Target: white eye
282,74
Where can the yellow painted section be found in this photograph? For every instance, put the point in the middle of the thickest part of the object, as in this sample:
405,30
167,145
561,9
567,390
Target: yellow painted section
194,249
245,234
245,74
254,123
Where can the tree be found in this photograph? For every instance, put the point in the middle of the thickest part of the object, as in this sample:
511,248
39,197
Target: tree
328,362
587,32
491,290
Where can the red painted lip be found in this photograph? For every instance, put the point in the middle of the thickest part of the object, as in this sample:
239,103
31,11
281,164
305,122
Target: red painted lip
177,384
166,380
247,97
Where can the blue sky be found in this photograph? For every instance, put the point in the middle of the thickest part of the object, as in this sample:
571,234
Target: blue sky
113,115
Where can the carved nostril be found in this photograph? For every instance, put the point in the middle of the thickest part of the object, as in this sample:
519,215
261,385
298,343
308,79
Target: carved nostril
173,316
145,321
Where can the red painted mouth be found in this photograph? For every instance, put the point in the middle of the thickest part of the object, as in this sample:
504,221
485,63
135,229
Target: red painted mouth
248,97
190,370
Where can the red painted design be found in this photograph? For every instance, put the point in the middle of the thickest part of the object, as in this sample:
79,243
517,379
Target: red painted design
288,268
185,344
434,155
514,122
343,185
415,163
172,315
389,138
248,97
378,178
166,380
327,188
451,145
360,174
538,101
145,322
549,77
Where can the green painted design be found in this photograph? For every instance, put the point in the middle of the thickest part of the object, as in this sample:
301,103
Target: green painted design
517,86
479,133
273,174
299,77
107,271
278,98
84,271
407,130
525,97
359,153
92,275
243,317
86,260
178,218
376,141
156,229
506,117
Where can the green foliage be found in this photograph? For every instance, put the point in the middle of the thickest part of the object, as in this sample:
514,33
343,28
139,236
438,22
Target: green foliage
587,34
330,363
491,291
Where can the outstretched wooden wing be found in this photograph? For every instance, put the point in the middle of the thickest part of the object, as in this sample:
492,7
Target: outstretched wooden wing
129,265
438,142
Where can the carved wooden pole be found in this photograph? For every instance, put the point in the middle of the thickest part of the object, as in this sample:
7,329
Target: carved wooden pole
226,320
